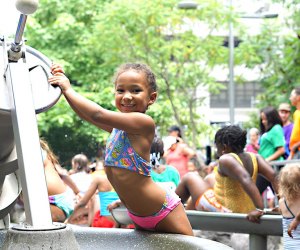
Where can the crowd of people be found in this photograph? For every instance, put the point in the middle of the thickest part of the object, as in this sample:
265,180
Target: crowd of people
137,160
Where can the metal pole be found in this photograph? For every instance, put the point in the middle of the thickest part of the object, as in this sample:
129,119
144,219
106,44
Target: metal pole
257,242
26,136
20,29
231,87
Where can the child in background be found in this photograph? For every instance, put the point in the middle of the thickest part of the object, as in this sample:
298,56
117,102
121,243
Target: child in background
234,189
165,175
83,179
61,201
289,204
80,174
128,147
57,179
106,194
253,146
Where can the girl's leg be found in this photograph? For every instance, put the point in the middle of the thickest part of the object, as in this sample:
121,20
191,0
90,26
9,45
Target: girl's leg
176,222
191,185
93,206
190,205
57,214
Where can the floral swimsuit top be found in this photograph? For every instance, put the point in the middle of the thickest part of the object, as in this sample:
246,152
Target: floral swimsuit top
120,154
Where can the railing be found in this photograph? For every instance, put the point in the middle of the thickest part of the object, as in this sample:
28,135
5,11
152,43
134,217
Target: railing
276,164
225,222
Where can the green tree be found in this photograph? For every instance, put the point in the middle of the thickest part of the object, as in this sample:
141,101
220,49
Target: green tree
91,38
278,49
277,52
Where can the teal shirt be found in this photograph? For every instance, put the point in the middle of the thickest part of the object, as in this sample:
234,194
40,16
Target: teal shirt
270,141
169,178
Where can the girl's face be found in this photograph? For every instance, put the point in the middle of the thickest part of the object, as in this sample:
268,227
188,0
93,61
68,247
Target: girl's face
264,120
132,92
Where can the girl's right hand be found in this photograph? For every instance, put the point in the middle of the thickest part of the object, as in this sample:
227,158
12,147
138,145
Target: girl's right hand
113,205
254,216
59,78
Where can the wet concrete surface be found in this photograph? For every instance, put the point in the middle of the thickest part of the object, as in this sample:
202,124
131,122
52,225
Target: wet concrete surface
238,241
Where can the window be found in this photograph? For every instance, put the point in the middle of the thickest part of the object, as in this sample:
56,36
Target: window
245,94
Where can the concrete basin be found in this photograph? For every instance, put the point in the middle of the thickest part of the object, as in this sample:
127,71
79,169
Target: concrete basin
98,238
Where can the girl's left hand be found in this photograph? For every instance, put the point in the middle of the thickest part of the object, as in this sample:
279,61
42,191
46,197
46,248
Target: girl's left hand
254,216
58,78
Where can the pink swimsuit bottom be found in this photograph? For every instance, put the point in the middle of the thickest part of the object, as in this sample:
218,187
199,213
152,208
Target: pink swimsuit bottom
150,222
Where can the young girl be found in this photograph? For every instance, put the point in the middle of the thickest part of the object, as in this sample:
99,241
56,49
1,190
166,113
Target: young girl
289,204
128,147
82,178
106,194
165,175
233,189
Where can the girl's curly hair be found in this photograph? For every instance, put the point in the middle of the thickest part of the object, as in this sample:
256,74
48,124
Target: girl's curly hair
232,136
138,67
289,181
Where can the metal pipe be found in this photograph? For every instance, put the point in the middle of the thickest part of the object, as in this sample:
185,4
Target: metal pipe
20,29
231,87
15,52
187,5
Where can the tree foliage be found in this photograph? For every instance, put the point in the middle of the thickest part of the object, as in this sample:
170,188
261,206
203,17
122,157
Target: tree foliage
278,51
92,38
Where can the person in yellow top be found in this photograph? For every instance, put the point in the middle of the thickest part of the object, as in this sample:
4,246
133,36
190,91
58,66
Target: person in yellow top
233,187
295,136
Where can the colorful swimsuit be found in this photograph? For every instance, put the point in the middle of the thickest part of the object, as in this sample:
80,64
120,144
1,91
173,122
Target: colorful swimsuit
107,198
120,154
288,242
150,222
63,201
